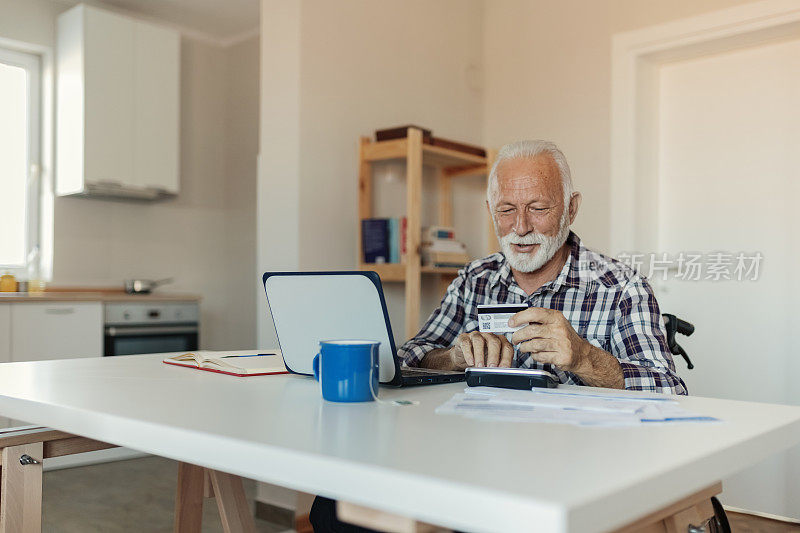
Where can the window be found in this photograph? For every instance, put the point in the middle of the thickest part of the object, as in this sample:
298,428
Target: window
20,153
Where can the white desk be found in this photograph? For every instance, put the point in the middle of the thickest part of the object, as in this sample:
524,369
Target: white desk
446,470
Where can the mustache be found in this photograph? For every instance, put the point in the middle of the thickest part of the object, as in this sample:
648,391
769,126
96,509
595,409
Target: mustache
530,238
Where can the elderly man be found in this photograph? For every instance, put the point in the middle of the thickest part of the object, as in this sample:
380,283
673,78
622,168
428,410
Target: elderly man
591,319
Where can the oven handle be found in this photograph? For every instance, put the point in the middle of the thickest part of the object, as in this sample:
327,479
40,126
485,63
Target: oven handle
113,331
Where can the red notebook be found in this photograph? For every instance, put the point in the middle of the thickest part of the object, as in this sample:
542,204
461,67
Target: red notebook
240,364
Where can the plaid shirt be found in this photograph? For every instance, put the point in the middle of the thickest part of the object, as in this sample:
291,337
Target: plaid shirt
607,303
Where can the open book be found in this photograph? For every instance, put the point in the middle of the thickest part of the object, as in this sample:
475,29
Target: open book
245,363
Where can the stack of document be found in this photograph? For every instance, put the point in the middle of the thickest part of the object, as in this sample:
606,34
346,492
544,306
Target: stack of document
579,406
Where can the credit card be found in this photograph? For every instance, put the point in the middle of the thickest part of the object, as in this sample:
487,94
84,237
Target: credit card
494,318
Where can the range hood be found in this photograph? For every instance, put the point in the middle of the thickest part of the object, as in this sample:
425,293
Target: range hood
109,189
117,106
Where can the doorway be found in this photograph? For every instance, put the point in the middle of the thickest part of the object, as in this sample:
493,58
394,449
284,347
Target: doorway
729,163
707,152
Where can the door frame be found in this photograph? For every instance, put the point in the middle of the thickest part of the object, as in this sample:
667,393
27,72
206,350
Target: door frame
636,58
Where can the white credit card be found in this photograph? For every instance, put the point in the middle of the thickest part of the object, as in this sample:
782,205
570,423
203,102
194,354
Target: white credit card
493,318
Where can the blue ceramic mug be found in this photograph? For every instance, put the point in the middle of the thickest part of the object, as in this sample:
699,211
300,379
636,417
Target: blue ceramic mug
347,370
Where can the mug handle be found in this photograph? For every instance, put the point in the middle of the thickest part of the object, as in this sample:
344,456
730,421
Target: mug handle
316,367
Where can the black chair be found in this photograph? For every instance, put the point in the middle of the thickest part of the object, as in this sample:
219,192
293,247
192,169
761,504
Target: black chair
675,325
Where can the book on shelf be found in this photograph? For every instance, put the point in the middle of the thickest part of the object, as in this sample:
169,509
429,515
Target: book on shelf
458,146
441,249
401,132
375,240
442,245
394,240
383,240
403,239
444,259
432,233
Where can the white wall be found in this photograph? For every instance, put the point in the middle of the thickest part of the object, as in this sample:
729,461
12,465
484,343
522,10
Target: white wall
367,65
381,64
356,66
548,76
709,108
242,125
277,237
204,238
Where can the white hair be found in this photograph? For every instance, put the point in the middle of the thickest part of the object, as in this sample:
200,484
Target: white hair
527,150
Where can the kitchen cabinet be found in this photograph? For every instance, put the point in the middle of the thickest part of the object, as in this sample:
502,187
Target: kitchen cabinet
56,330
118,106
49,330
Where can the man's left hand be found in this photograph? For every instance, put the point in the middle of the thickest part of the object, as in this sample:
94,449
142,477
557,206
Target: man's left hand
550,338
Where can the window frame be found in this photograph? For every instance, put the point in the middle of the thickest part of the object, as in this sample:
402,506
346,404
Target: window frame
32,63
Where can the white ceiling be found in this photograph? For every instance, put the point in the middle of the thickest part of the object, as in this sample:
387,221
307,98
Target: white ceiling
224,21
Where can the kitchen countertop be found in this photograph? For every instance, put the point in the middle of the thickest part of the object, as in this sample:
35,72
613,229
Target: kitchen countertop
97,296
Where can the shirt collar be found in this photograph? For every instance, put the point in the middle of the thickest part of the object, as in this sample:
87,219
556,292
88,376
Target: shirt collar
568,277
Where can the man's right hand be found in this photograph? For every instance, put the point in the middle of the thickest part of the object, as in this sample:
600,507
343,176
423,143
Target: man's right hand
481,350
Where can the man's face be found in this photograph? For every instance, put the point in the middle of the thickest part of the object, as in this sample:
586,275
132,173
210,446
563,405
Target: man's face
529,214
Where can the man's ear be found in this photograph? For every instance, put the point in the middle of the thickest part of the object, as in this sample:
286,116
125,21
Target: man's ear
574,205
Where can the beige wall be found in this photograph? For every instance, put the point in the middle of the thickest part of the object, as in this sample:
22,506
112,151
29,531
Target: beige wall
480,71
277,238
368,65
355,66
204,237
548,76
244,284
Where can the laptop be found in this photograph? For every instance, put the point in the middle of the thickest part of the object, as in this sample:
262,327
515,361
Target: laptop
308,307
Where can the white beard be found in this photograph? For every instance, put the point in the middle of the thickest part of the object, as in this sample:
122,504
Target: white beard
530,262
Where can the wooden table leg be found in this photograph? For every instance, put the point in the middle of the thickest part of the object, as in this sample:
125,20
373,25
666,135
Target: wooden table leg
21,489
196,483
21,481
232,503
208,489
189,498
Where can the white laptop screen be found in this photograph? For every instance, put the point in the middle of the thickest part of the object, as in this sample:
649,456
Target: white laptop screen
308,307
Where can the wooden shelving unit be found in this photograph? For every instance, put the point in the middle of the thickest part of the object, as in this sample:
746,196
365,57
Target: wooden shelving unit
449,165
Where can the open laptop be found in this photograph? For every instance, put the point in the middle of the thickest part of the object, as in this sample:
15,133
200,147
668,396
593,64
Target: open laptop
308,307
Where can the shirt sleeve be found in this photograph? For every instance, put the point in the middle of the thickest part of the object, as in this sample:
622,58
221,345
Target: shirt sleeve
443,326
639,342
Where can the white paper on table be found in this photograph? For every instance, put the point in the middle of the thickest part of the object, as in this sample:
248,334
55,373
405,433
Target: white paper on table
672,413
579,409
485,407
561,401
611,395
